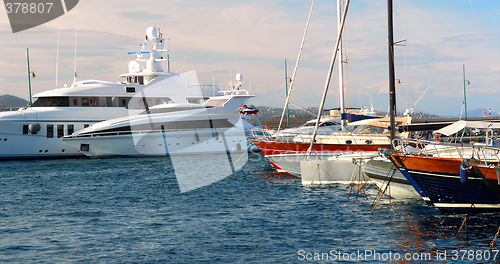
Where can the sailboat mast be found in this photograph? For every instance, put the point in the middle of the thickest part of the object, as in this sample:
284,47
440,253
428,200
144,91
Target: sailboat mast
328,77
29,74
392,80
286,96
341,66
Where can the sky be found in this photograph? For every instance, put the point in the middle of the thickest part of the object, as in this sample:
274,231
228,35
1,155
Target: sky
219,39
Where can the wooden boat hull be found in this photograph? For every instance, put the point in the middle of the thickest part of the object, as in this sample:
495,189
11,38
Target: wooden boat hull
439,179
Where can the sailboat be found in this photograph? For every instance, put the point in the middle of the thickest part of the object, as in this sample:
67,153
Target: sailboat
286,154
338,169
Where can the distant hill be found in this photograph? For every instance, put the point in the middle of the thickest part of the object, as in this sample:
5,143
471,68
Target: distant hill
272,113
7,101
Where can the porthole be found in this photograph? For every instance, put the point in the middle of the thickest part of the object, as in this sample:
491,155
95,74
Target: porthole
63,150
5,139
46,150
40,151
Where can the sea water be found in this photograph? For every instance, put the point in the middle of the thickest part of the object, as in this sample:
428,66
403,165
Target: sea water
131,210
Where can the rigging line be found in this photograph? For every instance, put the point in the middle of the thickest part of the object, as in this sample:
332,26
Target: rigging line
295,69
379,16
76,39
303,109
401,10
328,78
484,36
57,54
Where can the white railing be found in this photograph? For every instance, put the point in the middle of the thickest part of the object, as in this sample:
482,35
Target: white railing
483,153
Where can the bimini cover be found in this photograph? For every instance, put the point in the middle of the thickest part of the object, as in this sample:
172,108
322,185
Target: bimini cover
459,125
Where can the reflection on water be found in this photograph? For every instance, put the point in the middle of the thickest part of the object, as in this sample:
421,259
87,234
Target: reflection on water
420,228
131,210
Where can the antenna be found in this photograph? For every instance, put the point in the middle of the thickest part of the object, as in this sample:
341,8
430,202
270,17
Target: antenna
168,52
213,76
76,38
57,54
29,73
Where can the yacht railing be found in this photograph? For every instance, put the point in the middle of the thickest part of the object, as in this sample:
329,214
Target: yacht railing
479,151
262,134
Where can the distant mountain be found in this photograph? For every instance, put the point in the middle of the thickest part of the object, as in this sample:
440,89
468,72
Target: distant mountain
272,113
7,101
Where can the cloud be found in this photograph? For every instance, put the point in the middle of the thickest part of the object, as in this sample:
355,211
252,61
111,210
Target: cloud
255,37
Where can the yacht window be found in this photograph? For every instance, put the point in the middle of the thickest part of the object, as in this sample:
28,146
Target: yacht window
71,129
309,124
85,101
123,102
130,89
140,79
134,103
93,101
165,100
25,129
51,101
116,101
170,109
330,123
85,125
76,102
60,131
109,102
195,100
102,101
50,131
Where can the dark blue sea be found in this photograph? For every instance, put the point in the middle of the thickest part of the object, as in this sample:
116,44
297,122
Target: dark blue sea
130,210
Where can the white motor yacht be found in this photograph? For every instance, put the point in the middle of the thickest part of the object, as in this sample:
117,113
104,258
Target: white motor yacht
166,129
36,132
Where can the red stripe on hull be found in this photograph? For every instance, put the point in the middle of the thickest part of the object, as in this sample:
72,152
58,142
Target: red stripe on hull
278,147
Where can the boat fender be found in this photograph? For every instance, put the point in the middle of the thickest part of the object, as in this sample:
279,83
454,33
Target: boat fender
216,135
238,147
197,137
34,128
463,171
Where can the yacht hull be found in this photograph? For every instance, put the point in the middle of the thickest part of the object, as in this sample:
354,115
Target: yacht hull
383,172
160,144
439,179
